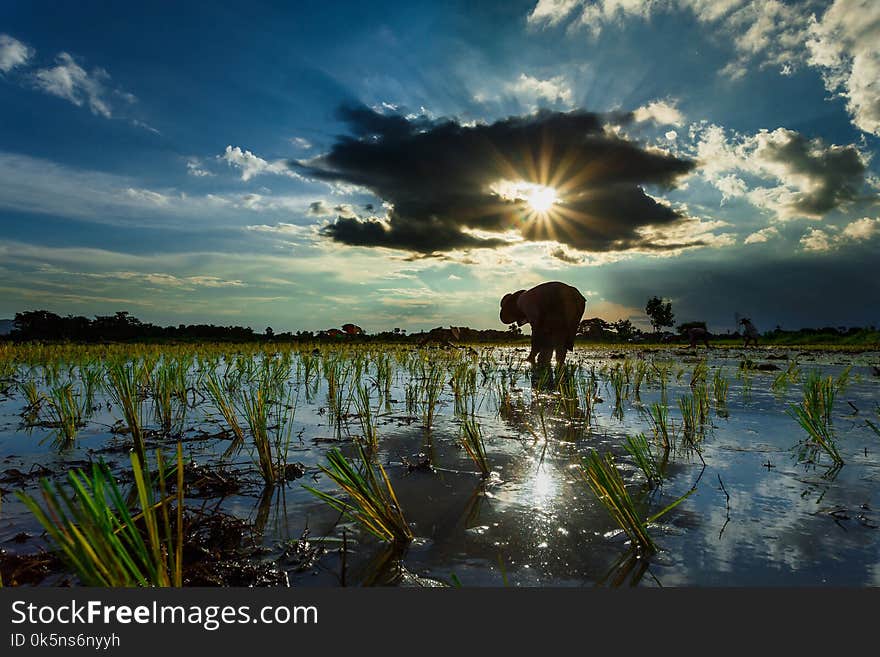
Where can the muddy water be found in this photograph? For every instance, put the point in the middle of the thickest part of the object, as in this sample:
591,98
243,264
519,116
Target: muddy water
757,516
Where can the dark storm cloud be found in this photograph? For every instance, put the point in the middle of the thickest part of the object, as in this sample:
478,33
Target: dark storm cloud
795,291
437,176
836,172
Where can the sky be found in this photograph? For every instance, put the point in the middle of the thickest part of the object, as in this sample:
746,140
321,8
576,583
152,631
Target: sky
406,164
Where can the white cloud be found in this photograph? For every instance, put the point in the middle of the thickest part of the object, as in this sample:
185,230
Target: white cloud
840,38
661,112
148,196
532,91
821,240
252,165
36,185
301,142
194,168
763,235
843,44
70,81
13,53
862,229
788,174
281,228
817,240
551,12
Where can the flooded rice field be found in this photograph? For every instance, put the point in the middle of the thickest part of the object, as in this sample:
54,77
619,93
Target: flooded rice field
464,466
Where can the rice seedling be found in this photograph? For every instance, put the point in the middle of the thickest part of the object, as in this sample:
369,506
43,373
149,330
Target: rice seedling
471,438
433,387
744,374
372,502
168,390
223,402
91,375
639,375
819,396
568,402
843,379
99,536
270,423
690,414
369,431
607,483
123,388
720,388
699,375
814,415
34,397
64,412
790,375
820,434
618,379
639,448
658,416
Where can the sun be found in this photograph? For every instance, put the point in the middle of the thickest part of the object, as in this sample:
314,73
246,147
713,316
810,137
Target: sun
538,199
541,198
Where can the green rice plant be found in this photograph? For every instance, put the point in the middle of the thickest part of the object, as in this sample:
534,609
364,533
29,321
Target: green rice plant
168,390
589,387
607,483
505,399
568,403
433,388
91,377
64,412
720,388
690,414
814,415
744,374
618,379
843,379
369,430
819,396
270,424
658,415
639,448
640,374
471,438
224,403
790,375
820,434
99,536
699,374
372,502
34,397
123,387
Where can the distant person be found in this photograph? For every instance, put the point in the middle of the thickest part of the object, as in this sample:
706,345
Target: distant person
750,332
698,334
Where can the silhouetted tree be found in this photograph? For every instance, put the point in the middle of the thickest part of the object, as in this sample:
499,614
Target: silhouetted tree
659,313
625,328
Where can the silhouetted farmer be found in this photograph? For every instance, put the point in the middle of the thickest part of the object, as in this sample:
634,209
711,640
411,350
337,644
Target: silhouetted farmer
749,331
698,334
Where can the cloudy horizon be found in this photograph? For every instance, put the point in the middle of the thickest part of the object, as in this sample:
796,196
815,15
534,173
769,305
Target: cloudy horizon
407,164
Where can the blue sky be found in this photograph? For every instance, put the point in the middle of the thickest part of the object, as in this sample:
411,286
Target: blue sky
285,164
